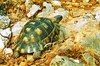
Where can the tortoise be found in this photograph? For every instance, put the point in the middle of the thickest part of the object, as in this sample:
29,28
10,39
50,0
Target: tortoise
36,34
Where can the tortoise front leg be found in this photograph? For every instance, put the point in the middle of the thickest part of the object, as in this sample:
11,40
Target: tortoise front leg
62,34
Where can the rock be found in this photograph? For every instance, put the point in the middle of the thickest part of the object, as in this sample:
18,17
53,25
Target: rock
56,3
1,44
77,61
80,23
86,0
29,57
50,12
6,32
8,51
65,61
4,21
33,10
4,37
47,10
17,28
61,11
58,61
98,15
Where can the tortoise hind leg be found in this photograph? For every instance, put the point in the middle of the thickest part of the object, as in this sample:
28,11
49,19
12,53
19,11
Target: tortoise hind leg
38,50
16,54
37,55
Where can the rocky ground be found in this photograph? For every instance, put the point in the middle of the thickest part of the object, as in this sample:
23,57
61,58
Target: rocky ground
81,25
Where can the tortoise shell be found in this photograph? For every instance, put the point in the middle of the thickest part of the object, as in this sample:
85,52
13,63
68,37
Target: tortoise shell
35,34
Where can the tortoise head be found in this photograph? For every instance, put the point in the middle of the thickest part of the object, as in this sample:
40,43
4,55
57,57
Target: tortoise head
58,18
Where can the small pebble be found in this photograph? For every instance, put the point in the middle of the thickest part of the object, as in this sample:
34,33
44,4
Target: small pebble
77,61
1,44
23,64
17,28
4,21
33,10
56,3
29,57
61,11
8,51
6,32
86,0
97,16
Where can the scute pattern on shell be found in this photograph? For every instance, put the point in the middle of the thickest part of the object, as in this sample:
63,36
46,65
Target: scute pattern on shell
34,35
